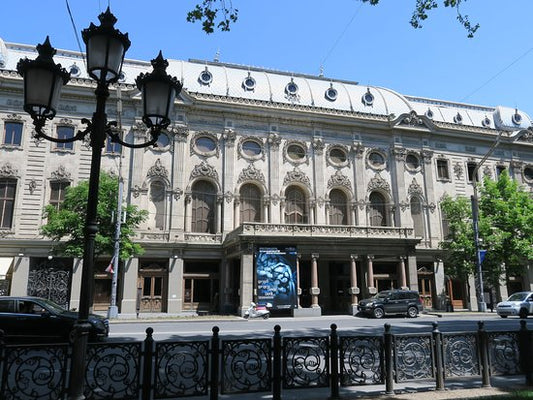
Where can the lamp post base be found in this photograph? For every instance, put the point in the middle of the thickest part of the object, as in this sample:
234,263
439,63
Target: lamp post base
112,312
482,306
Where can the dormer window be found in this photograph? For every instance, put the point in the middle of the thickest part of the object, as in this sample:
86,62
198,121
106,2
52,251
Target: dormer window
458,119
429,113
368,98
291,89
74,70
516,118
331,93
205,77
248,83
486,122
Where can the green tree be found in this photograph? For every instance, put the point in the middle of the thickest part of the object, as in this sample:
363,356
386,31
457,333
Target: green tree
505,231
65,226
222,13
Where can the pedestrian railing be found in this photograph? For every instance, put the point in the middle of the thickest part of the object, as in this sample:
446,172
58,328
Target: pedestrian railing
172,369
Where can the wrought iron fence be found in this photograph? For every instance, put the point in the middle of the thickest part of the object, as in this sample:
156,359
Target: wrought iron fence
172,369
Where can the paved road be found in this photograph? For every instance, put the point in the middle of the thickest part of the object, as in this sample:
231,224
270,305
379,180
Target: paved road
232,326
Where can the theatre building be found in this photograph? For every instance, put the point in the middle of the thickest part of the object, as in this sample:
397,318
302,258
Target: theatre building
308,191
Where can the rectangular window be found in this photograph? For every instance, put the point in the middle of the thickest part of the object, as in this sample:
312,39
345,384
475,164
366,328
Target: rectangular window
471,167
65,132
7,202
499,170
442,170
112,147
57,193
13,133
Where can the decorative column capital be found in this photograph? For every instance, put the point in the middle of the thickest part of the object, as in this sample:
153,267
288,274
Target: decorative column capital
315,256
354,257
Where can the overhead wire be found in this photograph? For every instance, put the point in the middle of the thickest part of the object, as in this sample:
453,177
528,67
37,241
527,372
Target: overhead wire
76,33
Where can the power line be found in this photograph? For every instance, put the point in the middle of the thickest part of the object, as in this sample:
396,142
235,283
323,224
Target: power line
76,33
497,74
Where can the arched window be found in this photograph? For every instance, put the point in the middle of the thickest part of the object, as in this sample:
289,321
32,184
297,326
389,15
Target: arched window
377,211
295,206
203,207
157,197
338,208
250,203
7,201
418,217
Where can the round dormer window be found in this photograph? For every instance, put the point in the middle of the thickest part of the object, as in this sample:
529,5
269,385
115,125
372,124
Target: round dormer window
528,173
122,76
486,122
205,77
429,113
516,118
291,88
331,94
248,83
458,119
368,98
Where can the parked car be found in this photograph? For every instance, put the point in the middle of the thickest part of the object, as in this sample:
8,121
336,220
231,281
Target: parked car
395,301
33,319
520,303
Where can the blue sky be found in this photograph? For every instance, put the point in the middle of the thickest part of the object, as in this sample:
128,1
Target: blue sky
372,45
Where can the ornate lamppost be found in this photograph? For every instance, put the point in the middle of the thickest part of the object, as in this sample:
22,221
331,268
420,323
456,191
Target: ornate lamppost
43,80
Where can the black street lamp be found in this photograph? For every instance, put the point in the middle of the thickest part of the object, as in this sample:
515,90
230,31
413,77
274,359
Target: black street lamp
43,80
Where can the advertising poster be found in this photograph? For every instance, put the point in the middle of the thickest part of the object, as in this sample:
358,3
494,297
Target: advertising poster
276,276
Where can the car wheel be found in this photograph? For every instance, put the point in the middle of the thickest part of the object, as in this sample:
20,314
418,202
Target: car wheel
523,313
378,313
503,316
266,316
246,316
412,312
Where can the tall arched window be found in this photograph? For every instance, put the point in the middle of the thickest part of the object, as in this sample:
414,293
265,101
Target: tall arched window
250,203
157,198
418,217
338,208
203,207
377,211
295,206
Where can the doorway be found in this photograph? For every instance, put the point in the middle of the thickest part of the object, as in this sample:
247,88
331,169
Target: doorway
152,284
200,293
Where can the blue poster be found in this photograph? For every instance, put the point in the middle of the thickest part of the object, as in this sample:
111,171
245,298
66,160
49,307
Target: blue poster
276,276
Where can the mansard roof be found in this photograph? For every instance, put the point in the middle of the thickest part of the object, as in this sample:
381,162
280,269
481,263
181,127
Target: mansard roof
220,81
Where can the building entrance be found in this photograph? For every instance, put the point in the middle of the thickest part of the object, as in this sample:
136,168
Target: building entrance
200,293
152,284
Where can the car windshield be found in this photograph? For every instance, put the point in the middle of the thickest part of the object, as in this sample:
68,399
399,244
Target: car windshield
51,306
521,296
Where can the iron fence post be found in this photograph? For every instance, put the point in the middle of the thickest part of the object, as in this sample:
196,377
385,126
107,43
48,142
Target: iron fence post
334,349
276,365
147,367
525,353
215,364
437,340
389,362
484,355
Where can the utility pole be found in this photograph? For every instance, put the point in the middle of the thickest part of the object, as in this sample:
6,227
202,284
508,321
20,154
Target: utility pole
112,311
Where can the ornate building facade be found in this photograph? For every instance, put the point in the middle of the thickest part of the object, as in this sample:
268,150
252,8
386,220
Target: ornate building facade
349,175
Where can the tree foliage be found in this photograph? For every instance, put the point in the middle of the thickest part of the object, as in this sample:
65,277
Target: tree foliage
65,226
222,14
505,231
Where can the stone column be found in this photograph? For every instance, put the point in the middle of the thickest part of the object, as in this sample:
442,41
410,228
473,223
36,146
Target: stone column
175,283
218,216
282,211
188,212
440,286
370,276
21,272
236,212
358,151
247,281
354,289
129,295
274,141
402,277
266,209
315,290
412,272
298,288
178,176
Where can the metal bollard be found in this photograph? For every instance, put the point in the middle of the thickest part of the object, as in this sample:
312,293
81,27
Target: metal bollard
215,364
147,367
437,340
276,365
389,362
484,353
334,349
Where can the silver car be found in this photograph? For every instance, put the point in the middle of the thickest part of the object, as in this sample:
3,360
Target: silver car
520,303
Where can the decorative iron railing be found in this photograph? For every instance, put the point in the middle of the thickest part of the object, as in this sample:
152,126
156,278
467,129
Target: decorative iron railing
173,369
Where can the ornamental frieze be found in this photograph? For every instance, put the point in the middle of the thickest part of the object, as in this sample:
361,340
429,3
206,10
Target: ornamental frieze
13,117
296,175
251,173
61,175
338,179
204,170
377,182
157,170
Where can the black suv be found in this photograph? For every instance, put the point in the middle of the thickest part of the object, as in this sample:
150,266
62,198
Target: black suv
392,302
33,319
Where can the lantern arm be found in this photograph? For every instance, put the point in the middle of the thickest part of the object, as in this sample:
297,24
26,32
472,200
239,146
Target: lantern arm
39,133
112,132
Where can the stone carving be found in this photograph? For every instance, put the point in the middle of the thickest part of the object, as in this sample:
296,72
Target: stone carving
157,170
458,170
61,175
399,153
415,189
296,175
427,155
377,182
138,190
177,193
204,170
251,173
32,185
8,171
274,140
338,179
229,136
180,132
487,171
13,118
228,196
275,199
318,145
358,149
404,205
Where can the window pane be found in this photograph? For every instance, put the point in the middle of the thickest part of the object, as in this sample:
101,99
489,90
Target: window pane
65,132
203,207
442,169
250,203
7,202
13,133
295,206
111,147
338,208
377,212
57,193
